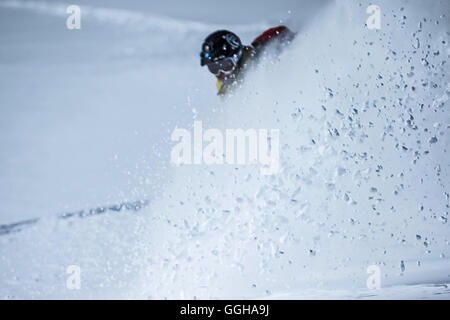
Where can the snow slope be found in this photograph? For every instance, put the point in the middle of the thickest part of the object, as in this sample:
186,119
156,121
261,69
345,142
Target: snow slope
363,116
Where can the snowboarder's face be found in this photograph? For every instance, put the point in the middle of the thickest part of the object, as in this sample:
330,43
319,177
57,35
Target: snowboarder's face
222,68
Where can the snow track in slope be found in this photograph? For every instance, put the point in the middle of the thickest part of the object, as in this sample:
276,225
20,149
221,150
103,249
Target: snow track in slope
120,207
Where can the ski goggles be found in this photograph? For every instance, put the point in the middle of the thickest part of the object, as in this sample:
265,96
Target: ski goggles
225,65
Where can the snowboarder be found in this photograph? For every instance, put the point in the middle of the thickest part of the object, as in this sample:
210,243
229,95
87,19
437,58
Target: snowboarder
226,57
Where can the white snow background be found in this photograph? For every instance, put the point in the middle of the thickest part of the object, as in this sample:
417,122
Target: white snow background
86,117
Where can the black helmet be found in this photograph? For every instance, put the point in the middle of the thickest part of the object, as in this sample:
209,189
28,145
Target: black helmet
218,45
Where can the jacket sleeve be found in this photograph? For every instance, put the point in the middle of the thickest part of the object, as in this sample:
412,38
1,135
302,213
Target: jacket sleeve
220,87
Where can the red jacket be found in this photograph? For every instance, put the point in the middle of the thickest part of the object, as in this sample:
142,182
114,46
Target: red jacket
280,33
